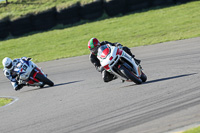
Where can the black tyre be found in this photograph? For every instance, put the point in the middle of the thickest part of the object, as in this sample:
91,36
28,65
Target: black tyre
114,7
44,20
43,79
4,28
135,5
91,11
130,75
182,1
69,15
143,77
21,26
162,2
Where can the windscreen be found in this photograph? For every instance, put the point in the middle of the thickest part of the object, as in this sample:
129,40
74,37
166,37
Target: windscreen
103,51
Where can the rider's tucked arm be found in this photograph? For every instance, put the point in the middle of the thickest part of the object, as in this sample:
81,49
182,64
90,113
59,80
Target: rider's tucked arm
106,42
113,44
26,58
9,76
29,59
95,61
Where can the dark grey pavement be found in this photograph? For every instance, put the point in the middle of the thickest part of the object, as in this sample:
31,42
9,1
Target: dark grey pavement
81,103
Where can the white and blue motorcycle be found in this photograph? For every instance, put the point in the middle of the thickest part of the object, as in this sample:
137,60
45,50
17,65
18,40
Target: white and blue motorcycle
29,74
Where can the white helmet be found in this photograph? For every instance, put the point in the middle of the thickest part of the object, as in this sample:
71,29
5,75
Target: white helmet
7,63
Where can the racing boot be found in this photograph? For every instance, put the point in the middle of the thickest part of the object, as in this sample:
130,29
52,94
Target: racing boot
137,61
19,87
126,49
106,76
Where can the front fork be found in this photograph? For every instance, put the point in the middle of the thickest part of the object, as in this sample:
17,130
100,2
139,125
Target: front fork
136,68
36,70
40,71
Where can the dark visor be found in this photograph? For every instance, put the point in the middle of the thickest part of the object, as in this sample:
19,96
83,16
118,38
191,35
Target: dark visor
94,50
9,66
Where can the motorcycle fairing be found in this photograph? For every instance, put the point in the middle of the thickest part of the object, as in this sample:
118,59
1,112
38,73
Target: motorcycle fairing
111,59
103,51
25,69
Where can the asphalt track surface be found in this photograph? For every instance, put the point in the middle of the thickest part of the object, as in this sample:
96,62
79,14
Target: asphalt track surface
81,103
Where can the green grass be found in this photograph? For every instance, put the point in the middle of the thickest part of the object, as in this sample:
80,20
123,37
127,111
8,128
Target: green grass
194,130
145,28
4,101
18,8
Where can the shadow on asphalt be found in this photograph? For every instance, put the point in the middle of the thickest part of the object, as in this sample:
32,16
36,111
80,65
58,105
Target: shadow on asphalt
65,83
168,78
46,87
163,79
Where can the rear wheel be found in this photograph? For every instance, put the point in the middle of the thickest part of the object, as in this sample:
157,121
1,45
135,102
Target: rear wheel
130,75
44,79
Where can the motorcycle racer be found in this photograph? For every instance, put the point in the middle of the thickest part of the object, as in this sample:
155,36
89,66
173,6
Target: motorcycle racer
93,46
8,71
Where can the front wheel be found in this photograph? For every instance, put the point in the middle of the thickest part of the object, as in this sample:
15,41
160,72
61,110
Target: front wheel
44,79
130,75
143,77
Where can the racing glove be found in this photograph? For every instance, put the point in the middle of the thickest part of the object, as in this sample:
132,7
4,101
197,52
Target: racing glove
26,58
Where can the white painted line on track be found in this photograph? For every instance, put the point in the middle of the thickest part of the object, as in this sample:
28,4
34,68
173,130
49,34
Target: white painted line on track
14,100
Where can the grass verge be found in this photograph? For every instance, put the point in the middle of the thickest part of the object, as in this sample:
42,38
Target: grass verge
142,28
4,101
194,130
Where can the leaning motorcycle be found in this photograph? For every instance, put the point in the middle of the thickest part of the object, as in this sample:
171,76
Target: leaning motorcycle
29,74
122,65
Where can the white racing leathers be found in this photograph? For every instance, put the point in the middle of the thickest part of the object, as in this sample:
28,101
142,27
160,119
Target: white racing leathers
11,75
